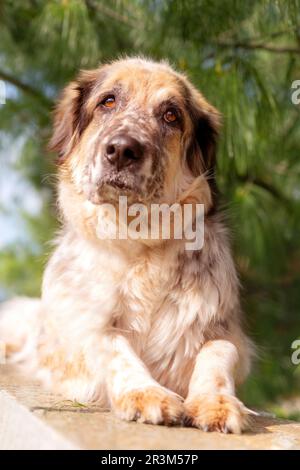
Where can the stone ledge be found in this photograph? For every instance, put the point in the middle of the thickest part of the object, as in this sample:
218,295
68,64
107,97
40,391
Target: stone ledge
31,418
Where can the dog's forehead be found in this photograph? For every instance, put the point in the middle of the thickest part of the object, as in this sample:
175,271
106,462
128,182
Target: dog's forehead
142,81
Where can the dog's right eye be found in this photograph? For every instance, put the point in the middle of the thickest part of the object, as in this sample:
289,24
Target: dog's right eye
108,101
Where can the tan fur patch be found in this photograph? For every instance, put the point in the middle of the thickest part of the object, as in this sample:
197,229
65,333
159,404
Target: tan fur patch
220,382
221,413
152,405
60,365
11,348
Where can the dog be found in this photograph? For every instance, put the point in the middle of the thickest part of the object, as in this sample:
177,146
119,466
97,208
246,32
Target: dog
145,327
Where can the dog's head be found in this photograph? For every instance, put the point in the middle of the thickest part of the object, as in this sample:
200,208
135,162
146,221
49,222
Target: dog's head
137,128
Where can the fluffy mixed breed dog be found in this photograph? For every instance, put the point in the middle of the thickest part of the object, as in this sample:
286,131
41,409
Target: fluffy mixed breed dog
146,327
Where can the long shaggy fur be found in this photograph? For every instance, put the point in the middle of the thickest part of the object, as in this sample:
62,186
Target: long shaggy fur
146,327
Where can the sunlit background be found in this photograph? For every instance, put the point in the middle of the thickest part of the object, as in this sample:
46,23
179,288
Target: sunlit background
244,56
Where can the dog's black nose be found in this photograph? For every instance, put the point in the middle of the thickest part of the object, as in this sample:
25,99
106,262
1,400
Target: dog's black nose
123,150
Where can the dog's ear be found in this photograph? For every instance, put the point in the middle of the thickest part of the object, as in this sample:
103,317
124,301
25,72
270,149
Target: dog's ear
201,155
71,115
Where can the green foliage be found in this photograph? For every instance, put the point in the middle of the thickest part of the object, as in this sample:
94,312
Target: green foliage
244,56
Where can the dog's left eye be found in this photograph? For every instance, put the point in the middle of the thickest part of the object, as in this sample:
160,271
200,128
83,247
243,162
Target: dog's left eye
109,101
170,116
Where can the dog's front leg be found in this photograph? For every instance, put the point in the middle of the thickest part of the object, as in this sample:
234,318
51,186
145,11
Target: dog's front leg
211,403
133,393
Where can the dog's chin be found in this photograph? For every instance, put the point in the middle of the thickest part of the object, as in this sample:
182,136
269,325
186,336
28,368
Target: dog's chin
110,188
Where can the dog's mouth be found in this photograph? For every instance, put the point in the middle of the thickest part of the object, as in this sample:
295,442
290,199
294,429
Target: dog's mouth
118,182
112,186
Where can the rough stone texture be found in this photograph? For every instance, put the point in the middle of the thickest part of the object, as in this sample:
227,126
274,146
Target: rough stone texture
31,418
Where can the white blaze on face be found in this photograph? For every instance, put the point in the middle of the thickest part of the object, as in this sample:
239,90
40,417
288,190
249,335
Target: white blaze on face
162,95
147,170
95,166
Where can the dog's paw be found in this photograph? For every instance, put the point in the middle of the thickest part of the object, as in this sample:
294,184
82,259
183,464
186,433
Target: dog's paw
221,413
152,405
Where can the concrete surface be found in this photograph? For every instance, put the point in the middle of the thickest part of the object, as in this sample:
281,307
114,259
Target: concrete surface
31,418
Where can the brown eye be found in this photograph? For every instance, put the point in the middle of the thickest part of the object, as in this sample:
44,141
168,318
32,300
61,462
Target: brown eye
109,102
170,116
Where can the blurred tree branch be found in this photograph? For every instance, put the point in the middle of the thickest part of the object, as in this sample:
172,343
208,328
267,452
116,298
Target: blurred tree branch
25,88
262,46
228,35
264,185
115,15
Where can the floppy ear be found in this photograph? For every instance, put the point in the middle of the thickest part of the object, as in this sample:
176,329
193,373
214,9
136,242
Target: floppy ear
71,116
201,156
